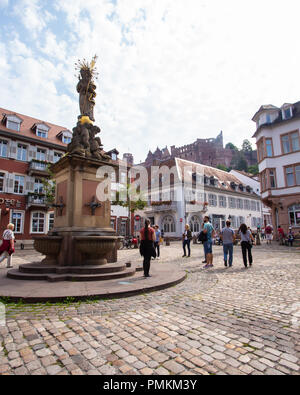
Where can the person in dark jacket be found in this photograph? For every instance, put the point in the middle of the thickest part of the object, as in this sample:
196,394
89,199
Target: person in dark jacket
147,250
186,241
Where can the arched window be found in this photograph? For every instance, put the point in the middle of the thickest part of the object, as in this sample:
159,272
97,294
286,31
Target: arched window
294,215
195,224
168,224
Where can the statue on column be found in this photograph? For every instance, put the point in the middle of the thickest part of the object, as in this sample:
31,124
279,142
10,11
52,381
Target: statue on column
84,141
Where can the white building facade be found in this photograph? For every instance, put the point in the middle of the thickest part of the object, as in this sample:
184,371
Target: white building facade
208,191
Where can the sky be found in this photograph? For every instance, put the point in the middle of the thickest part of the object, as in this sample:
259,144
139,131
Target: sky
170,71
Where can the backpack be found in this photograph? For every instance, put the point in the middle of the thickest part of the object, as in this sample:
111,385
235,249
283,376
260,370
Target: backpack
202,236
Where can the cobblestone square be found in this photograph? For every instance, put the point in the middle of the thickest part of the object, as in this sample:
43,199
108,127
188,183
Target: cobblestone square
218,321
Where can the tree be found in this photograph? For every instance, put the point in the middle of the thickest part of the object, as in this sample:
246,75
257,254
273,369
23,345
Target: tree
222,167
231,146
239,161
253,169
49,185
246,146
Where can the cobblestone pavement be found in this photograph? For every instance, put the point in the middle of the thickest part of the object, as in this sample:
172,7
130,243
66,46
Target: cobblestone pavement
218,321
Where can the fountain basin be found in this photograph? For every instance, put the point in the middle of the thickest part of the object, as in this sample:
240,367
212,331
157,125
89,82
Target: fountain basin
49,246
95,248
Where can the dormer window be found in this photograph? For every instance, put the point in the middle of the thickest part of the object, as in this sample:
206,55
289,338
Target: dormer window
65,136
287,113
13,122
41,130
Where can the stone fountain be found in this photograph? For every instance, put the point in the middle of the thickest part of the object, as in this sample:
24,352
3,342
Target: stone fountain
81,242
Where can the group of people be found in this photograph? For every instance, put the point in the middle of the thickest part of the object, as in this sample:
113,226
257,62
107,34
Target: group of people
151,239
283,238
228,237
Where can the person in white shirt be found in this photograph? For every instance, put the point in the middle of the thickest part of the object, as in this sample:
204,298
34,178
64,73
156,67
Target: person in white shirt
7,247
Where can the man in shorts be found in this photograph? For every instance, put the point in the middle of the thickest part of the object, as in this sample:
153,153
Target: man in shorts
209,231
268,232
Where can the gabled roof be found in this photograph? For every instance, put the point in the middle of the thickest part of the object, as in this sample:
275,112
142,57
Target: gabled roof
26,128
224,179
263,108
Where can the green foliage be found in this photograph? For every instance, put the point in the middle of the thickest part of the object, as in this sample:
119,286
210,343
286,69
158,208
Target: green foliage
222,167
253,169
49,187
246,146
134,200
231,146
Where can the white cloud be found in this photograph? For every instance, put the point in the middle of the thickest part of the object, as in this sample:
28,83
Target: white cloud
171,71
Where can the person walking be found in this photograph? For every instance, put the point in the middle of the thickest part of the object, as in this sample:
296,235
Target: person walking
7,247
280,235
268,233
147,250
157,241
228,237
246,238
290,237
186,241
209,231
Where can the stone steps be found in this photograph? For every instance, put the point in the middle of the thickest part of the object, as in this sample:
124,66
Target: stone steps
55,277
39,268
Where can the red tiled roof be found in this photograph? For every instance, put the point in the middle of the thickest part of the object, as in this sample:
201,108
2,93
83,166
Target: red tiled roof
28,123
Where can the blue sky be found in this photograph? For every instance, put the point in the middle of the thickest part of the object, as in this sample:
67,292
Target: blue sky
170,71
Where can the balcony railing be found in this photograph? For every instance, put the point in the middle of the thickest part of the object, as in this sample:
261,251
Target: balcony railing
156,207
38,167
36,200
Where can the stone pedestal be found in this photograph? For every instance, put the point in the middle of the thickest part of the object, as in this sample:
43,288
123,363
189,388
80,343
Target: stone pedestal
82,242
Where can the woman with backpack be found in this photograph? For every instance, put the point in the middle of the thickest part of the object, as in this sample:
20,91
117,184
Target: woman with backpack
246,238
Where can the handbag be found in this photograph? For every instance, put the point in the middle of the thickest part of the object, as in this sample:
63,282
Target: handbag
202,236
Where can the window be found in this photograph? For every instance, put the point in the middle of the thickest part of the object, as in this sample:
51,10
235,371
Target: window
57,156
260,150
232,202
3,148
287,113
17,219
67,139
247,204
233,220
114,156
38,222
38,186
123,178
13,125
289,171
19,184
239,203
272,178
41,154
50,221
292,175
297,171
253,205
195,224
241,221
257,206
222,201
168,224
22,152
41,133
295,141
269,147
2,178
212,199
290,142
294,215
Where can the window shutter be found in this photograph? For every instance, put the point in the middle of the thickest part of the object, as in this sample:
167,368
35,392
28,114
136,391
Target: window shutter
29,185
10,183
13,149
50,156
